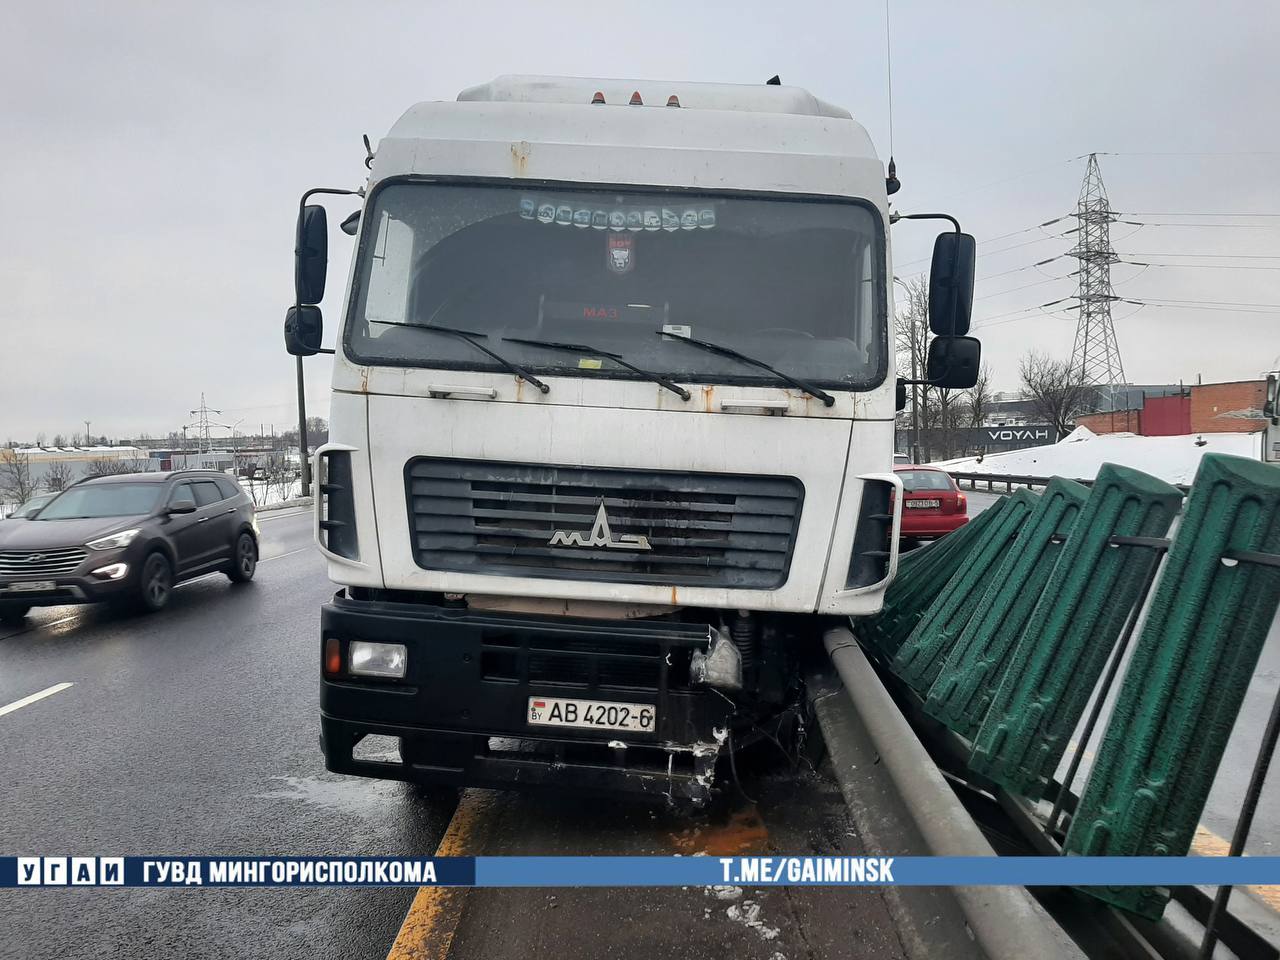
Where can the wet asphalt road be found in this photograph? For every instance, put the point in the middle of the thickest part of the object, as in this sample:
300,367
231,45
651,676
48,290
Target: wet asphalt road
193,731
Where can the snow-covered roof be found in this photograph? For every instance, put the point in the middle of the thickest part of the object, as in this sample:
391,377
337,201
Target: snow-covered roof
1081,453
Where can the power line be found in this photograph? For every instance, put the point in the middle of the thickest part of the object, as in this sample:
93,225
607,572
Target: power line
1188,306
1025,286
1137,214
1198,266
1211,256
1216,303
1029,266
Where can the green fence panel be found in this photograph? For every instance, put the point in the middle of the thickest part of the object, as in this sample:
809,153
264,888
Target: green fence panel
967,682
1187,678
911,592
1075,623
922,654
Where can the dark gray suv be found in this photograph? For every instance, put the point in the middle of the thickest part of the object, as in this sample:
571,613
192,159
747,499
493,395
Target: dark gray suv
127,540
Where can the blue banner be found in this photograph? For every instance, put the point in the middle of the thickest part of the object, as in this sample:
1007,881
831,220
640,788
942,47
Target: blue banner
92,871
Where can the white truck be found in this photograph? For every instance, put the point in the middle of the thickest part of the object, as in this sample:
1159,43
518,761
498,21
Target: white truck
611,431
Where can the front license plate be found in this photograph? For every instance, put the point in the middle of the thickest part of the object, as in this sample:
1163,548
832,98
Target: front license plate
592,714
32,586
921,504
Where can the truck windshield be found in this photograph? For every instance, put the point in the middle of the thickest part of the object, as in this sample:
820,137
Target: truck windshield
798,284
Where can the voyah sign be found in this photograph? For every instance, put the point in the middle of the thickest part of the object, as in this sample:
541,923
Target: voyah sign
1031,435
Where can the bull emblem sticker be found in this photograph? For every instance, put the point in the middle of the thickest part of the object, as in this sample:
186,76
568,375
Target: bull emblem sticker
621,253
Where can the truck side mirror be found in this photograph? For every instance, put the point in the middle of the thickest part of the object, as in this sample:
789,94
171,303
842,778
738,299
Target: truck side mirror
951,284
900,395
303,328
1271,404
953,362
311,255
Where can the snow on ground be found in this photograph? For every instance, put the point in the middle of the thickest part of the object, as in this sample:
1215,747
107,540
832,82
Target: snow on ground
1082,452
267,492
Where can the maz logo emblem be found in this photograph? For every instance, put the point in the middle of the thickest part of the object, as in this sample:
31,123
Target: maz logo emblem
600,536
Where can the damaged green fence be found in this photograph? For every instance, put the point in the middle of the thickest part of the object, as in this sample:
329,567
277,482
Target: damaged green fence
922,654
1187,678
966,683
1004,629
922,575
1057,661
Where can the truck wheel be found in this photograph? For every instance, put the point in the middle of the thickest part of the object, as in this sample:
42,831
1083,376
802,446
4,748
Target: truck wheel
244,560
156,583
12,614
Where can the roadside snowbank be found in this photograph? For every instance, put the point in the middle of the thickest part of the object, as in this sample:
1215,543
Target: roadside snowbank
1079,455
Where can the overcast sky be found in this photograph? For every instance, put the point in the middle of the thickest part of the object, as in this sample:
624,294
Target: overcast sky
153,155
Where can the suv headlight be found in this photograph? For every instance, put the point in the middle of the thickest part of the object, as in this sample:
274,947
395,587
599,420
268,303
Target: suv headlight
113,542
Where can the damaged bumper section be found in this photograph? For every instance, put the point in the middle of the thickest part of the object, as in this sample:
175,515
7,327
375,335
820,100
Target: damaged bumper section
469,681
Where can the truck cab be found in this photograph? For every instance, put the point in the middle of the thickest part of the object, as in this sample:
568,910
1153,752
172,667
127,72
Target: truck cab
611,429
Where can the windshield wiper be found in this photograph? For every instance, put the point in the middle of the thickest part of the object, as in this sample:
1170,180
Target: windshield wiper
808,388
583,348
469,336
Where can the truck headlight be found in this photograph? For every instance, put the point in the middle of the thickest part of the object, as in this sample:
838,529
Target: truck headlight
378,659
114,541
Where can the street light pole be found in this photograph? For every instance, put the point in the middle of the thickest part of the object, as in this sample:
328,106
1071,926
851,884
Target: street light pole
304,460
915,375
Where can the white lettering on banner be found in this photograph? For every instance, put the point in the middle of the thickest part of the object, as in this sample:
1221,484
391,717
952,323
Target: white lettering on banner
84,871
28,870
1008,435
54,872
807,869
111,871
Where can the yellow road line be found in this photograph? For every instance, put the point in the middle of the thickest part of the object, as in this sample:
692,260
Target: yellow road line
428,927
1206,843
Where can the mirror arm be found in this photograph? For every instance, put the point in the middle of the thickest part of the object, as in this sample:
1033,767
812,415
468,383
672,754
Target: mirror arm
327,350
931,216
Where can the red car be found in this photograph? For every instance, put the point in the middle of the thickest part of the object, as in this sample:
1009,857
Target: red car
932,503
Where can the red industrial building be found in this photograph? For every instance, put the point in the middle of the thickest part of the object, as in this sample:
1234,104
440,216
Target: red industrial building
1204,408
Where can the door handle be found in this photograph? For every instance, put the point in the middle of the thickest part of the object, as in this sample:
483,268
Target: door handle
203,520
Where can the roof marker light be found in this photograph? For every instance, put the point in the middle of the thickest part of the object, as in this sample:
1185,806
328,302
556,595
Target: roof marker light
673,101
635,99
599,97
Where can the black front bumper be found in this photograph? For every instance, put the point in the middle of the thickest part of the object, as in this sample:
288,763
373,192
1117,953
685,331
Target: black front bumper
461,710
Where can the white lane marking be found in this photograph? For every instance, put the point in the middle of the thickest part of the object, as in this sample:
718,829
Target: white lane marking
284,516
27,701
281,556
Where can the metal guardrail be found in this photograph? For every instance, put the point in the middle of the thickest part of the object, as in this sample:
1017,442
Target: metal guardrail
1011,481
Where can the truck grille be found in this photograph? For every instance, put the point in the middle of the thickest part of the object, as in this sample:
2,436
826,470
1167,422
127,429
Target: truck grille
33,564
701,529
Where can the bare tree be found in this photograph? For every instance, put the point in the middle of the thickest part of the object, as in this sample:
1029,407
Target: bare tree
59,440
979,398
1057,392
58,477
15,475
113,467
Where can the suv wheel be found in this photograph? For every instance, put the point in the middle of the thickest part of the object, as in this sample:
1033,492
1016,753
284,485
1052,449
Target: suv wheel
156,583
12,614
245,559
